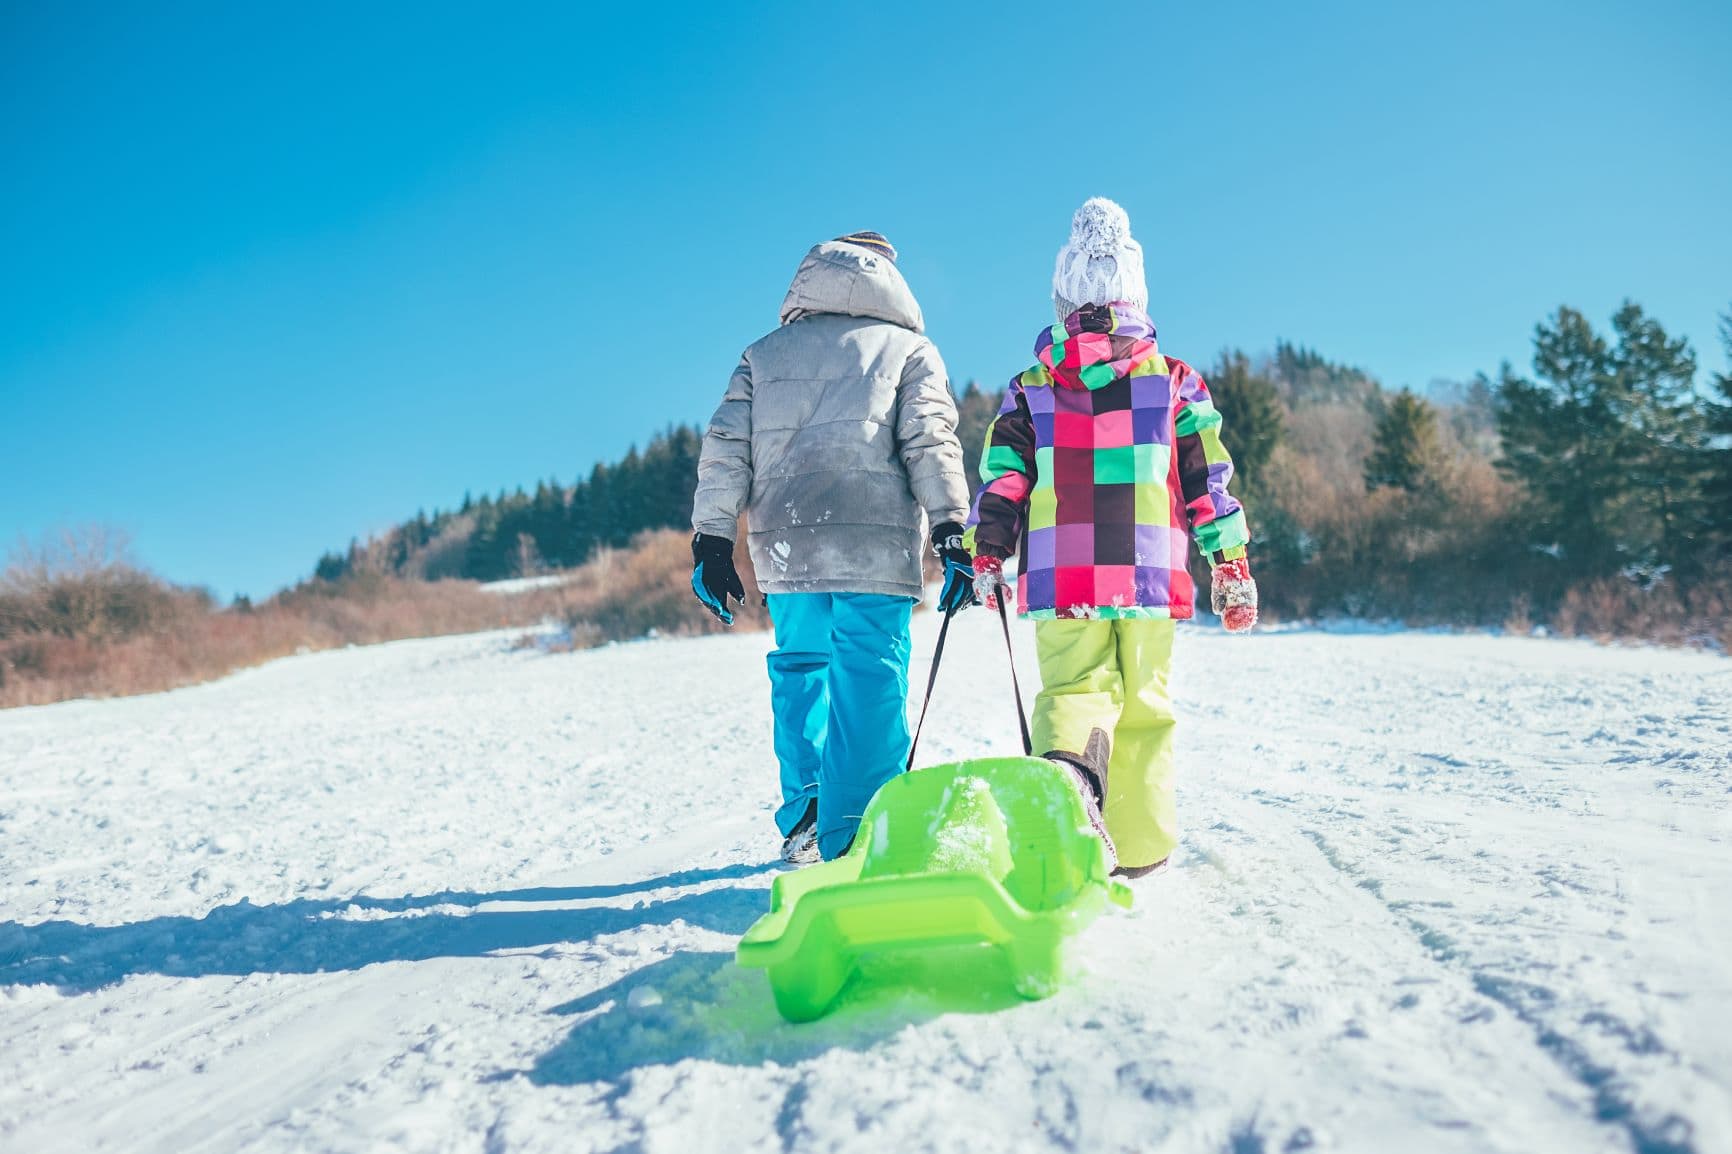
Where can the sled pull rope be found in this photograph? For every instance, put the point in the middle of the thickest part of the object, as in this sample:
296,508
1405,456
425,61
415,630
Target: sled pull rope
932,679
1010,656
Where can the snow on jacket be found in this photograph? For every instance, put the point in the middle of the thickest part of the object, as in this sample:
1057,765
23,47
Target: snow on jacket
836,434
1101,461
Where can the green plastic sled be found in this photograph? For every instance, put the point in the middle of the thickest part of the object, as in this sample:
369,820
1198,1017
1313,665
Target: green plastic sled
993,853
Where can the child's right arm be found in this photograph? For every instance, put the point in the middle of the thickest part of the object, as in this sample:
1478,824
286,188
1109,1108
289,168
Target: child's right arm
725,466
1007,473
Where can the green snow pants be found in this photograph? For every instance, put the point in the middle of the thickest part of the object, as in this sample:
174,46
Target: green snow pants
1112,676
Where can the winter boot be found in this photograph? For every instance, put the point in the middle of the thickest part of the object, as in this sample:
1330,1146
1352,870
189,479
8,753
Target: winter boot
800,847
1089,771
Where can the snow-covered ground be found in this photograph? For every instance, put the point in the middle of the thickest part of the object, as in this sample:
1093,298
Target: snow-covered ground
1437,893
525,584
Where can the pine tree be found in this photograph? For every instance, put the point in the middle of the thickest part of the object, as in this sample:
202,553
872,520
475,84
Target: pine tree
484,559
397,549
1603,440
974,413
547,523
1251,420
1562,441
1405,444
677,476
626,510
579,533
1717,469
1658,376
1304,376
601,508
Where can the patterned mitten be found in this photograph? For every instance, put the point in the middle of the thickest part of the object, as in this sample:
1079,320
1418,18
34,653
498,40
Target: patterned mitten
989,579
1233,595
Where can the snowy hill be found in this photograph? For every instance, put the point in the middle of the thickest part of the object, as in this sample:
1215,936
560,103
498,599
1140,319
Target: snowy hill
1437,894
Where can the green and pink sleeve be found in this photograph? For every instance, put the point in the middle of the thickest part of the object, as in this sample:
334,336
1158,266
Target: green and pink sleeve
1216,519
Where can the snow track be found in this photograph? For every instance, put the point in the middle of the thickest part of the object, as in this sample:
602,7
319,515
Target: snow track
1436,893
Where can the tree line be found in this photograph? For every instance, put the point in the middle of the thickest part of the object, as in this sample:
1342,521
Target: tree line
1593,493
519,534
1601,478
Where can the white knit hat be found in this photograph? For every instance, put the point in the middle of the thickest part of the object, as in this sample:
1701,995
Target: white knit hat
1100,263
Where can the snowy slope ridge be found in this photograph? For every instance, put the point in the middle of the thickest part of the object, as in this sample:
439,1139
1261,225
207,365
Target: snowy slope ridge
1436,893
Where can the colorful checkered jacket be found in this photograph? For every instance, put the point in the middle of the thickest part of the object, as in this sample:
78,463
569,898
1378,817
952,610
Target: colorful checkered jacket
1102,460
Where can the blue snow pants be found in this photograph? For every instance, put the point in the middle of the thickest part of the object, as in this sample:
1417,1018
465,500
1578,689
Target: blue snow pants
839,691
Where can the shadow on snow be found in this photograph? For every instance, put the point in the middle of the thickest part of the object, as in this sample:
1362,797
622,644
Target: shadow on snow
691,1005
307,937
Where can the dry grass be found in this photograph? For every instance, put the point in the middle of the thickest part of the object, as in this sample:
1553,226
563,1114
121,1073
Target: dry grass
1441,555
194,643
626,593
84,621
1618,609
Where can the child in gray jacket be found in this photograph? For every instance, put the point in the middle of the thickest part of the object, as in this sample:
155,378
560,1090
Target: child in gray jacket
837,439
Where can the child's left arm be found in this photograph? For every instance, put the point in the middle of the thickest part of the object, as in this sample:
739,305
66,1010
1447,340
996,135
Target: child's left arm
1216,518
1217,521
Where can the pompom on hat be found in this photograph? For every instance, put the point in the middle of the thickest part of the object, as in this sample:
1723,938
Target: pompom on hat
1100,263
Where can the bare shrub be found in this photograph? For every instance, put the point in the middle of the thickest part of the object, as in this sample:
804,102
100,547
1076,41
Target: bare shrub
528,558
627,593
197,642
1620,609
444,555
80,618
84,623
1518,621
83,583
1335,437
1443,553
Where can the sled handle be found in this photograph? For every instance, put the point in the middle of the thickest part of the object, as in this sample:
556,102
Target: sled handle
1010,656
932,680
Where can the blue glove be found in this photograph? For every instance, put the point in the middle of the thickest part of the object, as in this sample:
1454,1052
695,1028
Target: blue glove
958,591
714,578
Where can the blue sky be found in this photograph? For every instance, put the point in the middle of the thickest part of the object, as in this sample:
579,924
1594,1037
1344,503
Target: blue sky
276,276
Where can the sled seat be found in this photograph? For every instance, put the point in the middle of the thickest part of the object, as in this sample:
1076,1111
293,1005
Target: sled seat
994,852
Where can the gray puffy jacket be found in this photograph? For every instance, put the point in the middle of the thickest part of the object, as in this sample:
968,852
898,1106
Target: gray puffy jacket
836,433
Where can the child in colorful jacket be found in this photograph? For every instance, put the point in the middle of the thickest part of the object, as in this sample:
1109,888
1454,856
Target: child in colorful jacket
1103,462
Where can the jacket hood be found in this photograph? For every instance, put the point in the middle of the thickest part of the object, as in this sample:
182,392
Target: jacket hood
837,277
1097,345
